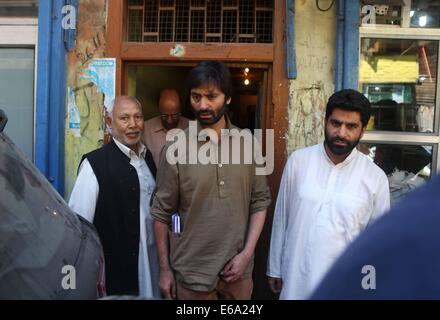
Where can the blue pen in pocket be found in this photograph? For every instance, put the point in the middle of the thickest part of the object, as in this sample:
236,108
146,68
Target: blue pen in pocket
175,223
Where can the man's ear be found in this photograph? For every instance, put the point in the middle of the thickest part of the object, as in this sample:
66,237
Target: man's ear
228,101
108,121
363,131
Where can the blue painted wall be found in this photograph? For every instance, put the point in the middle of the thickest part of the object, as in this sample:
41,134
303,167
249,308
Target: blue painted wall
53,42
347,45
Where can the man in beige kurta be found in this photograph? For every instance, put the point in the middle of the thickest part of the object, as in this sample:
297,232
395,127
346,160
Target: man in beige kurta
156,129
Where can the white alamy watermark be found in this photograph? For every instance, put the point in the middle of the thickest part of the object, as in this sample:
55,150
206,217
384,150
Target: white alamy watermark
236,147
369,280
69,280
370,14
69,18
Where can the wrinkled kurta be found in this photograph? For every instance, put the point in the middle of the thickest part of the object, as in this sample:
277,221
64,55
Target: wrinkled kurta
321,208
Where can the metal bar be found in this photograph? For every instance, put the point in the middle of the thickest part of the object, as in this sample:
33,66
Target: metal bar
291,52
43,87
351,44
406,8
339,64
435,159
400,33
437,98
401,137
143,22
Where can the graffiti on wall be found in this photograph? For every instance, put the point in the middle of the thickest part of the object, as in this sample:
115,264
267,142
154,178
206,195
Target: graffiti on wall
90,44
307,117
315,82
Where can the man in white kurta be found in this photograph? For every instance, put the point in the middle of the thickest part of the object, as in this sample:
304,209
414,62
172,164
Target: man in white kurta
126,121
325,200
85,196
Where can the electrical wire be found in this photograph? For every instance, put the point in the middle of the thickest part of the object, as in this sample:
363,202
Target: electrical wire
324,10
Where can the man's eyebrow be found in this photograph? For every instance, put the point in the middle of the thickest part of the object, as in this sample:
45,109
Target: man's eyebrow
344,122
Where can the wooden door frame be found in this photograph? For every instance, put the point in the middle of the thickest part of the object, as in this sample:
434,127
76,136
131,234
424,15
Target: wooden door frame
276,112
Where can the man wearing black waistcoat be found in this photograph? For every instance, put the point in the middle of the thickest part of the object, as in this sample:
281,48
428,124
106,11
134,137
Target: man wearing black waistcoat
113,191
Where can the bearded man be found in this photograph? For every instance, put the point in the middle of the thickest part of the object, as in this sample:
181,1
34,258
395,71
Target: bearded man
329,194
222,206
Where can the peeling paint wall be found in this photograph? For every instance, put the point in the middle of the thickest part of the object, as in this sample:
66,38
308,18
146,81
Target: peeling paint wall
90,44
315,48
315,42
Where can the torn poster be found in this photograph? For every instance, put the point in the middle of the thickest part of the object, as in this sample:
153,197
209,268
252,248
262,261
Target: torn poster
102,72
74,116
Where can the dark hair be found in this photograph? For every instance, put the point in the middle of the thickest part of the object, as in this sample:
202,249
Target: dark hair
211,73
350,100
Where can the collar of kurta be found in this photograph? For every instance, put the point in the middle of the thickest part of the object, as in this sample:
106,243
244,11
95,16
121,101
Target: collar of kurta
344,163
130,153
157,126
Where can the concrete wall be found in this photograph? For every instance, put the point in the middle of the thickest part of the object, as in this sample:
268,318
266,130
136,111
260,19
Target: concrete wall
90,44
315,42
315,48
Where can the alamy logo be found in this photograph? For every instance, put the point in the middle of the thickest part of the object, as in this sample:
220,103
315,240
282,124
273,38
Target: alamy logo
369,280
370,15
235,147
69,280
69,19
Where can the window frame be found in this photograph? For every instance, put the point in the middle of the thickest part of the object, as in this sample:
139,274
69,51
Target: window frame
407,138
23,33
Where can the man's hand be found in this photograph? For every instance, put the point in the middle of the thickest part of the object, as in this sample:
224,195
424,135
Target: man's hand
275,284
167,284
235,268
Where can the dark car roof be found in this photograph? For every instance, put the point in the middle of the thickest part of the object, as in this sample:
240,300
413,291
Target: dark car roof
40,235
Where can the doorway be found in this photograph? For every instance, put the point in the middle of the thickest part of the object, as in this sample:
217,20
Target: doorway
246,110
159,44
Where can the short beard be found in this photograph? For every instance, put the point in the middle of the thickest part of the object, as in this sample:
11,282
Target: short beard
216,116
337,150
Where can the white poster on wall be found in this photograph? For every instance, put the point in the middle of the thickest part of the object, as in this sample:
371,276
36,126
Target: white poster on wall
102,72
74,116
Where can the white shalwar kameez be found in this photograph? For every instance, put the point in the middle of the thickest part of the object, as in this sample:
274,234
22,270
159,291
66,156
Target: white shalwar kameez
321,208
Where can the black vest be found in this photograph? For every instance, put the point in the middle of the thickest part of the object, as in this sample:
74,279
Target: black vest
117,216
